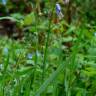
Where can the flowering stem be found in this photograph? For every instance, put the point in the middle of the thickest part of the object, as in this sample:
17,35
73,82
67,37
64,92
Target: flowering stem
46,48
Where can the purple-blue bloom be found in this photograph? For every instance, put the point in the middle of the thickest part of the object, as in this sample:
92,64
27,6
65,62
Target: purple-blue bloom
58,9
4,2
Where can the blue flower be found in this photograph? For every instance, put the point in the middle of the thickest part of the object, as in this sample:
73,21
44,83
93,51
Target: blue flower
4,2
29,56
5,50
58,9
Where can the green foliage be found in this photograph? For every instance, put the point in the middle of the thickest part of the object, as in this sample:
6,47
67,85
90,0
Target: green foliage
54,58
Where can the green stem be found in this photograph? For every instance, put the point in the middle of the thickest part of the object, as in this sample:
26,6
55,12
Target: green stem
46,47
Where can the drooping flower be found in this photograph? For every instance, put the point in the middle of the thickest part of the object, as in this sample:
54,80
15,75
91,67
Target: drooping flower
4,2
58,11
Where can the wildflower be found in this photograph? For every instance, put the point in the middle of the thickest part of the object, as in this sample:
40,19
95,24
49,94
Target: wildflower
58,8
5,51
4,2
29,56
58,11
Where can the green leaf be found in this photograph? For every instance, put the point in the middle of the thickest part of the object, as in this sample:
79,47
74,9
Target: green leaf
29,19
